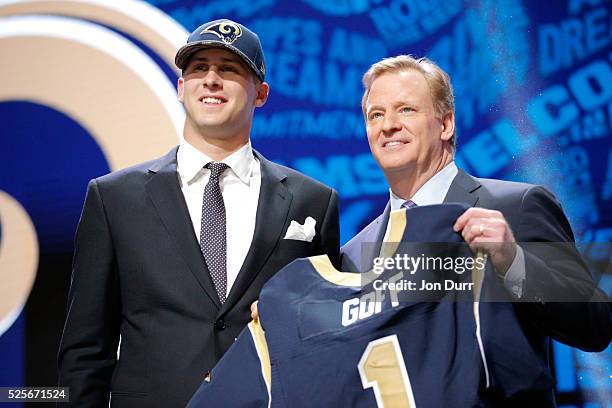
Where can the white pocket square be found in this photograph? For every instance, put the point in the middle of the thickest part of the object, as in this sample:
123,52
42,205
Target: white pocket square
301,232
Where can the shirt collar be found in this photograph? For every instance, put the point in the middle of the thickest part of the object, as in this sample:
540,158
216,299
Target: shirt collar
432,192
191,161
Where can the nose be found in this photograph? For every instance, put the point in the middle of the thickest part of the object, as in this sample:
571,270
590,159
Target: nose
391,123
212,80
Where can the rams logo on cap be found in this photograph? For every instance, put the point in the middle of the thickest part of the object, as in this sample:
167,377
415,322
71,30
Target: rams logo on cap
227,31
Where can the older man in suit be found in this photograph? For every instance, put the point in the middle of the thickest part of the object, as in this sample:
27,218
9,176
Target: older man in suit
408,107
170,253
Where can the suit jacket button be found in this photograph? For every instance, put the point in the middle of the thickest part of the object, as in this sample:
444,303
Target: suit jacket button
219,325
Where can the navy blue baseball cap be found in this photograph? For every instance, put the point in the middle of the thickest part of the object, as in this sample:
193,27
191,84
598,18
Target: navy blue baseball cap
225,34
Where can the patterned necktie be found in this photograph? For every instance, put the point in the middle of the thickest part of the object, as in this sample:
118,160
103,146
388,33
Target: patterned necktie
409,204
212,230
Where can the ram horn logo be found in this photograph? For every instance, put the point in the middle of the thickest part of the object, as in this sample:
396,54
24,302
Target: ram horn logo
227,31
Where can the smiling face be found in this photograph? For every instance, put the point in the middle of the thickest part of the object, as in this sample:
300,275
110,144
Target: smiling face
219,93
405,133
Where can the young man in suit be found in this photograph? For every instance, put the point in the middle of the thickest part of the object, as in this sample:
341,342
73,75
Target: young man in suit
170,253
408,105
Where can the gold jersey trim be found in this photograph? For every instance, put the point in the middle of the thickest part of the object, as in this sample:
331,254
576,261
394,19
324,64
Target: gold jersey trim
261,346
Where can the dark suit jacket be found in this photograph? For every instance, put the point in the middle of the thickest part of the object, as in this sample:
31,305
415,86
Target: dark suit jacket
138,272
516,335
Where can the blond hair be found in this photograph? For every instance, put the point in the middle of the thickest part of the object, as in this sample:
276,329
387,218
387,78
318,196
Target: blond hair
438,80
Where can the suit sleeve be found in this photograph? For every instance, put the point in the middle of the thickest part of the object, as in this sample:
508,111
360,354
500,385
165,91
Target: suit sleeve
556,271
330,230
88,349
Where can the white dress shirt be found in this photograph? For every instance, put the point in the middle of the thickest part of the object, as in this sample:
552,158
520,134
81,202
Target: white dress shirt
433,192
239,186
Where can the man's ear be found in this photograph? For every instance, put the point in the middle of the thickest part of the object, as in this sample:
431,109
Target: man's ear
180,89
263,89
448,126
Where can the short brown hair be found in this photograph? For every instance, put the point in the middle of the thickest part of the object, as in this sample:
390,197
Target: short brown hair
437,79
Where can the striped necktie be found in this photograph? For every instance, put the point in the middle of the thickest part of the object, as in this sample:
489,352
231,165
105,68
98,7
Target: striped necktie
409,204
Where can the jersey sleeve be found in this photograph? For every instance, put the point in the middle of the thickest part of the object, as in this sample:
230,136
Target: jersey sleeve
242,376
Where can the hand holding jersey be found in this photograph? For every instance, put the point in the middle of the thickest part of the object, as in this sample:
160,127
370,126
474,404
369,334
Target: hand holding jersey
489,231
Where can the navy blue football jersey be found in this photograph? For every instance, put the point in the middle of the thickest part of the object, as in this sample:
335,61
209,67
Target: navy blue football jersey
337,339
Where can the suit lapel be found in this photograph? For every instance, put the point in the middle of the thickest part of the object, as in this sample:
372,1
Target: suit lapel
372,240
463,189
165,193
272,211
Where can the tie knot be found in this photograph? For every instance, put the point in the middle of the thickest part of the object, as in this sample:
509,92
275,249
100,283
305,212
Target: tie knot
216,169
409,204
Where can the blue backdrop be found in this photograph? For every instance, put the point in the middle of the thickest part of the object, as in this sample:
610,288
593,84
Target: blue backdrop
533,85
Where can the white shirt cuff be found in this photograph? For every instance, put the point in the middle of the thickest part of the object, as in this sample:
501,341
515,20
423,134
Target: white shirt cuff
515,276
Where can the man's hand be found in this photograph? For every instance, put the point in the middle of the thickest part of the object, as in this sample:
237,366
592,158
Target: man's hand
488,230
254,314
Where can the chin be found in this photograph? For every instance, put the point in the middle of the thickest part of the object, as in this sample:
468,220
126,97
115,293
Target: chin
397,166
395,163
211,123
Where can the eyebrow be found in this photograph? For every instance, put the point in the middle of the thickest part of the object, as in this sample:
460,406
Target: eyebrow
396,105
373,107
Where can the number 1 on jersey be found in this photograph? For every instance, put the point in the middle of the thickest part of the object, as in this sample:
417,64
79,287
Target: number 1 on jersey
382,368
